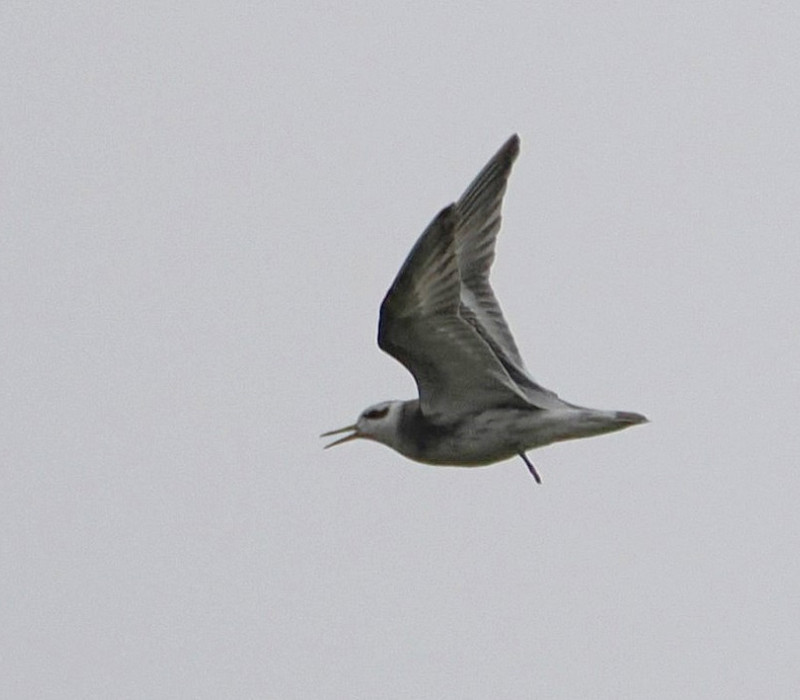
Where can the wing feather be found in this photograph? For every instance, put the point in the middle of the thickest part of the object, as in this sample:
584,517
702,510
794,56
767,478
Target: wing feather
420,325
480,217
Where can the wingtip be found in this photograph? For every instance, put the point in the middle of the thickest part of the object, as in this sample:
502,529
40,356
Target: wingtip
513,144
509,151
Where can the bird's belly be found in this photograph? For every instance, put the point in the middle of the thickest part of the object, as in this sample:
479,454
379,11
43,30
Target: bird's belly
489,437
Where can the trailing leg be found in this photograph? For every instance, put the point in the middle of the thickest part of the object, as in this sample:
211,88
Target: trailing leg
531,468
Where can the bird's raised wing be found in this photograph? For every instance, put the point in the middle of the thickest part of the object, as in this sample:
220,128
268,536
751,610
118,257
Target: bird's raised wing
455,368
479,212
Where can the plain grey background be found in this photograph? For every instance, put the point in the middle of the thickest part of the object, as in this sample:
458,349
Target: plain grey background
202,207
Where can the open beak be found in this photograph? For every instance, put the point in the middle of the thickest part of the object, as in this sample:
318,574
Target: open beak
346,438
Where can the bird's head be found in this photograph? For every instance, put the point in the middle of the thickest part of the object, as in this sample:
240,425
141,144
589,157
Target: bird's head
379,422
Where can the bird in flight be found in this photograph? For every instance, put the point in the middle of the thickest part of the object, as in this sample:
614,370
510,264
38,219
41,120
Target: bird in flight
477,402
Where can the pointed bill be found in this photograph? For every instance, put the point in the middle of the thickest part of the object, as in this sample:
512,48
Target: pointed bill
346,438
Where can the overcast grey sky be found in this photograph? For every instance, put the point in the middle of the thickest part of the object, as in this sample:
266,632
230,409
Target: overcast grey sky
202,207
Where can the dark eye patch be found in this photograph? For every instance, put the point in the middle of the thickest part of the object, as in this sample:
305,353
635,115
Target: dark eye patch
376,413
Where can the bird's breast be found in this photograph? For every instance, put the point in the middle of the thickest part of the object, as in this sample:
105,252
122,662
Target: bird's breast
474,440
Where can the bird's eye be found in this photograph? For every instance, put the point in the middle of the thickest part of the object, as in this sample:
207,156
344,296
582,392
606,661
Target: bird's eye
376,413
